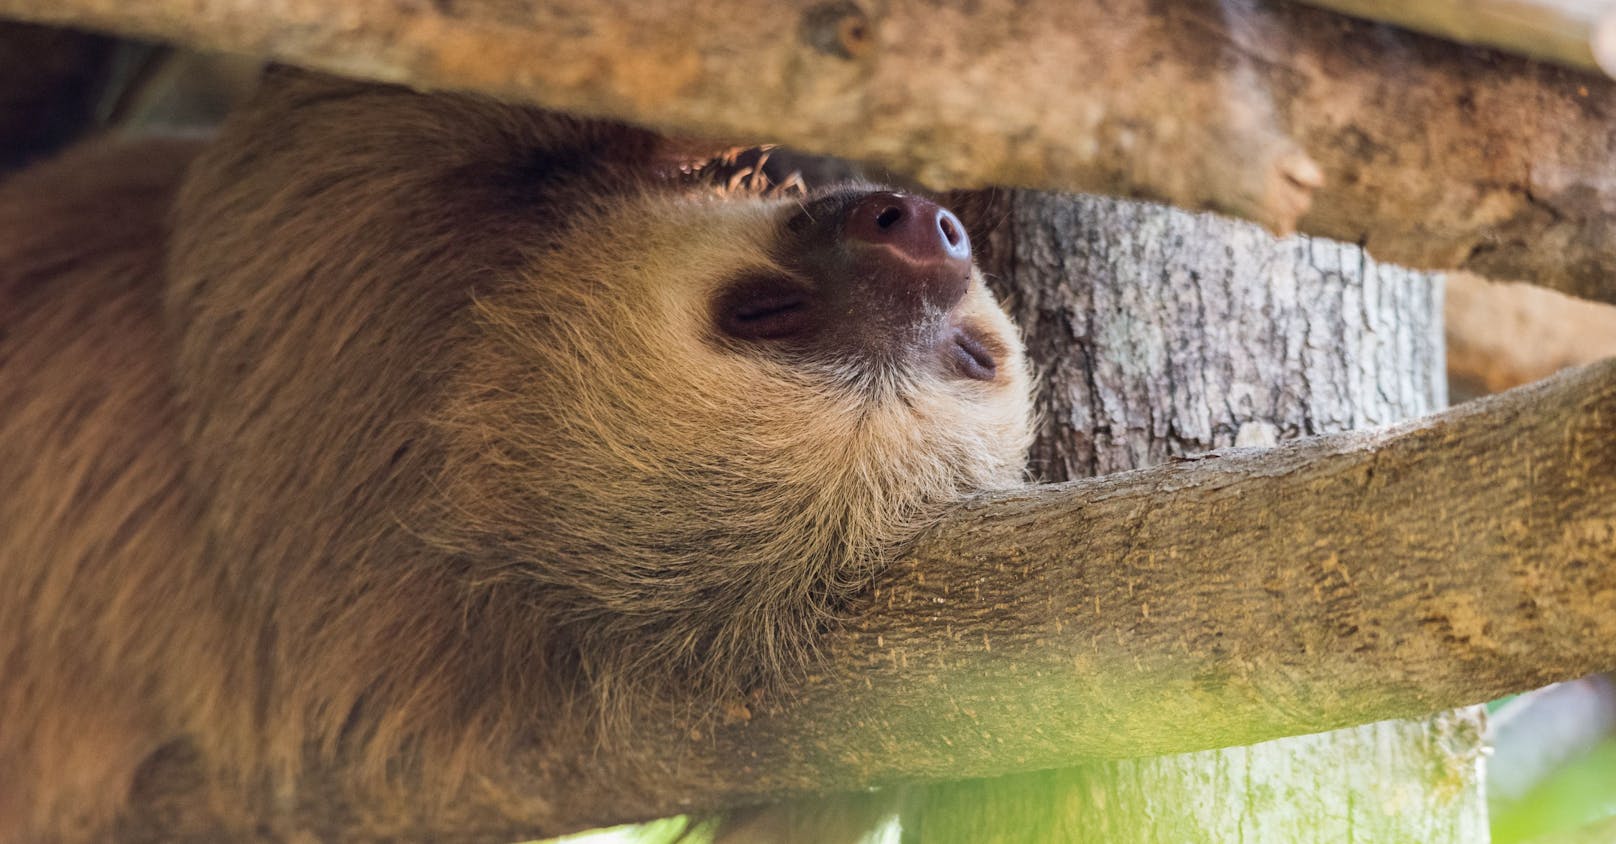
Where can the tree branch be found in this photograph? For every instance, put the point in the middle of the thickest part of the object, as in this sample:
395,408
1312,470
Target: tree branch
1432,154
1242,596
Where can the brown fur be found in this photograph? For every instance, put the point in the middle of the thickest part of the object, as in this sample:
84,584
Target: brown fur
415,447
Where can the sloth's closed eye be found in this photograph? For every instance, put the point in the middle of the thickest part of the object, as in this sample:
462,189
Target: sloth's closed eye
765,306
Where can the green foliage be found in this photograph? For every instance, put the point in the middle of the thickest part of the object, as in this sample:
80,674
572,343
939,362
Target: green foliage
1581,793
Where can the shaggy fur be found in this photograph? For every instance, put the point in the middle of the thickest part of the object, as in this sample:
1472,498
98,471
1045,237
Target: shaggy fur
418,444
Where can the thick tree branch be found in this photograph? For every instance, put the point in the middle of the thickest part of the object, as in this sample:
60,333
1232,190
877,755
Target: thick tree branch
1432,154
1243,596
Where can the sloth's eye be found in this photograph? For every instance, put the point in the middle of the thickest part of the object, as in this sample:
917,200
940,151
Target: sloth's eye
765,306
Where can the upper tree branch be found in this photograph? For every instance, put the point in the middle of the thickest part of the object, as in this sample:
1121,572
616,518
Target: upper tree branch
1432,154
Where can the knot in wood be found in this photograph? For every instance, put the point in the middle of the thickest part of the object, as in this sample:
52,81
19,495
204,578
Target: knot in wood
838,28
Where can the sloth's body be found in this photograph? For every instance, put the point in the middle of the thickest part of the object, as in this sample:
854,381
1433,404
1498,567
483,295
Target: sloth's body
443,428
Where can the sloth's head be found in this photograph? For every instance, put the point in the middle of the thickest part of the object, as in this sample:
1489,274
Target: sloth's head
703,421
665,427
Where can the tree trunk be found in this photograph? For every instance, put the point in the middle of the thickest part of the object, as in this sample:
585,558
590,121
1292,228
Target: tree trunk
1162,334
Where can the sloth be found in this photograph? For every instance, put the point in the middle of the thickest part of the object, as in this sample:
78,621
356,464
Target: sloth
399,428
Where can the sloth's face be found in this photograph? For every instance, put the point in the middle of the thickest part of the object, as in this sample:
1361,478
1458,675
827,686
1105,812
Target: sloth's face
852,324
729,410
870,286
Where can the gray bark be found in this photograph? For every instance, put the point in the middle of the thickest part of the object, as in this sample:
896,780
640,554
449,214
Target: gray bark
1162,335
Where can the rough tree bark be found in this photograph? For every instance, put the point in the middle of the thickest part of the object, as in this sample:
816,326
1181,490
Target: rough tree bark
1430,153
1163,335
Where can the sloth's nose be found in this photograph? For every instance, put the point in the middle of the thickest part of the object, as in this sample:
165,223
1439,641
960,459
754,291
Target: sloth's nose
911,243
866,272
919,230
